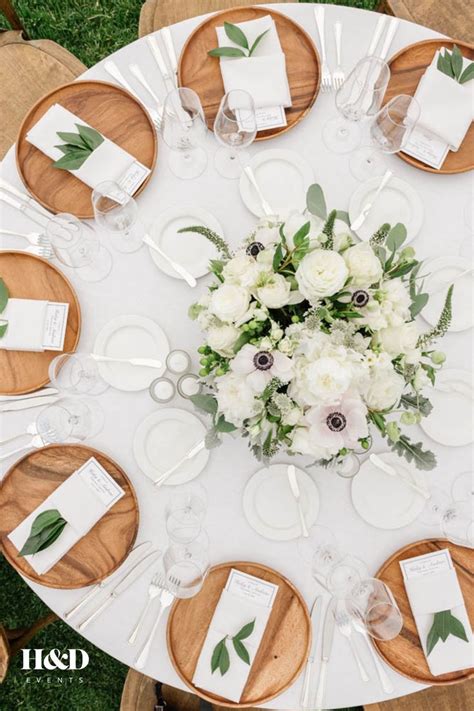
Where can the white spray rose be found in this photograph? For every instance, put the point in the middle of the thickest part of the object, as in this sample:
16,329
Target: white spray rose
229,302
222,338
274,291
363,264
398,339
236,399
321,273
385,389
242,270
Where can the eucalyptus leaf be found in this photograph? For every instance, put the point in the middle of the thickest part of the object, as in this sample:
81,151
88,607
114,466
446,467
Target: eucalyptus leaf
277,257
299,237
456,61
235,34
315,201
246,631
396,237
212,439
467,74
226,52
216,655
344,216
207,403
44,538
44,519
418,304
4,294
3,328
73,139
257,42
444,624
241,650
223,426
71,161
90,136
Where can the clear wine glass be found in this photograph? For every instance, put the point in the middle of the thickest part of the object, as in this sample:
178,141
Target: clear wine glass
76,374
189,564
117,212
389,131
463,487
346,575
457,523
235,127
360,96
321,551
53,424
372,603
183,127
85,416
184,515
77,245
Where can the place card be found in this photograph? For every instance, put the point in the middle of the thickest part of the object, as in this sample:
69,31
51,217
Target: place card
266,118
55,323
251,588
427,564
426,147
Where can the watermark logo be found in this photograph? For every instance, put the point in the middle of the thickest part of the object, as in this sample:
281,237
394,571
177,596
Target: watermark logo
40,659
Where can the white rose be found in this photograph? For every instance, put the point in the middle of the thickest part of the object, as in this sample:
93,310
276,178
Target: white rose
320,381
275,291
236,399
364,266
321,273
398,339
302,443
385,389
229,302
242,270
222,338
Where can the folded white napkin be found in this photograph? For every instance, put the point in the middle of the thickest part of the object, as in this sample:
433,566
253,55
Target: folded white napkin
81,500
433,593
107,162
447,107
26,318
231,614
263,75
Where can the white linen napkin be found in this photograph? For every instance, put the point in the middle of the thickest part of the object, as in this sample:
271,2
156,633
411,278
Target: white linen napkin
263,75
432,593
81,500
447,107
25,330
231,614
107,162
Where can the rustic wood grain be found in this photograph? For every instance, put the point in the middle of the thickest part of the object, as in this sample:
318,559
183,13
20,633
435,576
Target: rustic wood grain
407,68
30,277
282,652
200,72
31,480
453,19
438,698
404,653
106,107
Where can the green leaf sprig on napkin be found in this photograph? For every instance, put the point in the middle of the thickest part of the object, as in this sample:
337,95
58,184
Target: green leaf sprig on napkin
451,63
220,657
444,624
46,528
3,305
235,34
77,147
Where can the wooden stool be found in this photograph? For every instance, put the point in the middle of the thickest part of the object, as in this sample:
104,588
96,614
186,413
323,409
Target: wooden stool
453,18
453,697
11,641
161,13
28,70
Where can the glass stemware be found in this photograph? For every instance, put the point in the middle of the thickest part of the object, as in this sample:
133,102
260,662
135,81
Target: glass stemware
184,515
389,131
454,517
360,95
463,487
84,415
183,127
371,602
189,564
117,212
53,424
77,245
76,373
235,128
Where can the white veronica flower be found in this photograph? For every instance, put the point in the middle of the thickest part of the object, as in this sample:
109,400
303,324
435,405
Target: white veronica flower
222,338
385,388
229,302
321,273
236,399
258,366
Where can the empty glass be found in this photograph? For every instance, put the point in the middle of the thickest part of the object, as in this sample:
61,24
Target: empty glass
457,523
321,552
235,127
77,245
345,575
183,127
52,426
371,603
463,487
84,415
117,212
360,95
189,564
389,131
184,515
77,374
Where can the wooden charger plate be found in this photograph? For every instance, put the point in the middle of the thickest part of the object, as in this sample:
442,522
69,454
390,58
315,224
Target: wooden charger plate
283,649
404,653
30,277
106,107
200,72
31,480
407,68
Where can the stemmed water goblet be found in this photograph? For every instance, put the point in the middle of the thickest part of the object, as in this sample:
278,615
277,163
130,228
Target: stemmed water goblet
453,515
82,415
76,245
185,513
235,128
117,212
183,127
76,374
188,563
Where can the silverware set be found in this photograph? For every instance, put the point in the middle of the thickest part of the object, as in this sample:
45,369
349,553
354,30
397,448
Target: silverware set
24,203
45,396
166,591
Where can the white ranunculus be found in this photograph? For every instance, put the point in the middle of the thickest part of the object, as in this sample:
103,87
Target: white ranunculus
229,302
274,292
222,338
320,381
242,270
398,339
236,399
321,273
363,264
384,389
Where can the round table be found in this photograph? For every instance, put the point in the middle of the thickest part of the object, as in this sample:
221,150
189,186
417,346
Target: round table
150,293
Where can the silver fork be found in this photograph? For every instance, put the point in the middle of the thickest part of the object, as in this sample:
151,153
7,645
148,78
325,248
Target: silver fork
158,583
34,238
338,75
112,69
43,250
326,80
343,622
167,596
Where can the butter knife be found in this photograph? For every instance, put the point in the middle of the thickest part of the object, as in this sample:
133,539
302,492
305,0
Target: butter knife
168,40
328,635
315,620
26,403
178,268
24,208
28,396
295,490
24,197
189,455
361,218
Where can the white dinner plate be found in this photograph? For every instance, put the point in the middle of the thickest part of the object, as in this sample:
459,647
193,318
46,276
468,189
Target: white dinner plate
131,337
398,202
440,272
385,501
270,507
450,421
191,250
283,177
163,438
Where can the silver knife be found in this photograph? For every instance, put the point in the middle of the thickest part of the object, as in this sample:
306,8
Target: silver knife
132,575
190,455
134,554
26,209
328,634
295,490
24,197
361,218
27,396
26,403
315,620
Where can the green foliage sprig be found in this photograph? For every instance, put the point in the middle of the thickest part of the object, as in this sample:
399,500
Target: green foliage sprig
77,147
220,656
46,528
236,35
451,63
444,624
4,296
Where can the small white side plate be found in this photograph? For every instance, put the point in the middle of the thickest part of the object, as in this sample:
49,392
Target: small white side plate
191,250
450,421
270,507
131,337
166,436
385,501
440,272
283,177
398,202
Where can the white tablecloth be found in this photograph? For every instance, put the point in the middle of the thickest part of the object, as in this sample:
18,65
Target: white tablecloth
166,300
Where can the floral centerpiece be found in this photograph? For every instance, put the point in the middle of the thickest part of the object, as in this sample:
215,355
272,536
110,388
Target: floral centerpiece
311,339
